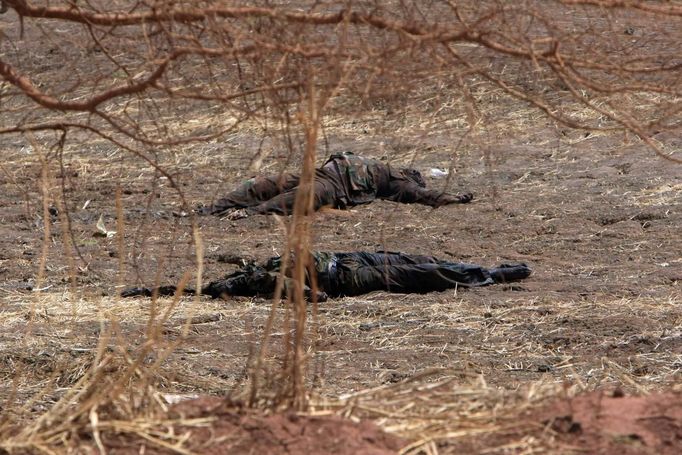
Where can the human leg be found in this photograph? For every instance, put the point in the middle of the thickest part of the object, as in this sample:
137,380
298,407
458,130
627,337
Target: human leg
505,273
283,204
410,278
255,191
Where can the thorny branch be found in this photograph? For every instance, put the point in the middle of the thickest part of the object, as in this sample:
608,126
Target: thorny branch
265,44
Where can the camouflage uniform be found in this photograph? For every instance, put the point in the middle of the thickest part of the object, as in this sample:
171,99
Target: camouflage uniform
349,274
356,273
344,180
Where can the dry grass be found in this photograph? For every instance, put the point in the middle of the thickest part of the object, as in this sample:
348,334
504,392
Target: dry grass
484,356
54,370
493,353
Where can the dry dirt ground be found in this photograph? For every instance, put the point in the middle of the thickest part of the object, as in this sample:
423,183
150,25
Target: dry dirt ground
598,218
597,221
595,422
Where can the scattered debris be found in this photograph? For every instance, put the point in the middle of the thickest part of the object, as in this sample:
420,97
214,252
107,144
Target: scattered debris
102,230
438,173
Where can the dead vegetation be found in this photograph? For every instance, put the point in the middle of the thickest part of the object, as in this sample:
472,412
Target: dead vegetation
132,113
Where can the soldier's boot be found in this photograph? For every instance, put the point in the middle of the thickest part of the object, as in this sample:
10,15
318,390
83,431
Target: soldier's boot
505,273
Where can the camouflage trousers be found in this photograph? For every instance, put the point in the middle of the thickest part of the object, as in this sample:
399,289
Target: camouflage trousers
277,194
360,272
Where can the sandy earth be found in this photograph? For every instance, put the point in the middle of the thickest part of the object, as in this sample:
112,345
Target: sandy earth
598,223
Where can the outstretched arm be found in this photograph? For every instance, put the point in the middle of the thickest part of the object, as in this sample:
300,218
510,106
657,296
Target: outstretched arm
214,289
148,292
409,192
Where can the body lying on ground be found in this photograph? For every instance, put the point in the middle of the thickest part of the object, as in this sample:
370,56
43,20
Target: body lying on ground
356,273
345,180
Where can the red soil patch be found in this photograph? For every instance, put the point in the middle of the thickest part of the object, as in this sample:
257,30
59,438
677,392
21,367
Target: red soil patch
237,430
614,424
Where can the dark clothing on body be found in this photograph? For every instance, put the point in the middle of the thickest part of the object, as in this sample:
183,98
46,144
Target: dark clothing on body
345,180
356,273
